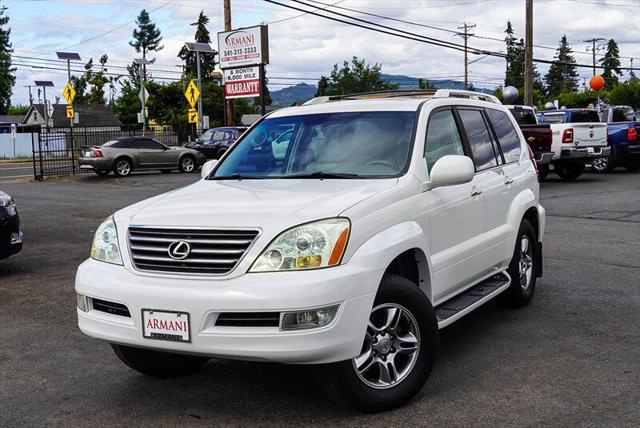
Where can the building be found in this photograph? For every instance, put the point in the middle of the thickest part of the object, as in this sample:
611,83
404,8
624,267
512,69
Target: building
98,117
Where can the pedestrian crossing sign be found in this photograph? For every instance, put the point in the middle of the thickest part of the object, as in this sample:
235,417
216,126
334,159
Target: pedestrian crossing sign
192,93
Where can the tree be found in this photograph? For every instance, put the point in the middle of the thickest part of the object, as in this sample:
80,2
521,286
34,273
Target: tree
626,93
7,78
323,86
207,60
562,75
97,80
146,38
514,74
355,77
425,84
611,64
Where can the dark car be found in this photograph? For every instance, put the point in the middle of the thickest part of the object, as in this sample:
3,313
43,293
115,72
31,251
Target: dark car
10,234
214,142
139,153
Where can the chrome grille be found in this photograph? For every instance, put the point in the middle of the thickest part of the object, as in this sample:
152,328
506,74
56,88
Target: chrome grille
214,252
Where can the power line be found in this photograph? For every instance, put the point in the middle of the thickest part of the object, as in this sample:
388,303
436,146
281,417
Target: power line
417,37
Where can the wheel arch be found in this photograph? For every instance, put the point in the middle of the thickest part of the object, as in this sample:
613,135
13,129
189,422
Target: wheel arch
402,250
127,157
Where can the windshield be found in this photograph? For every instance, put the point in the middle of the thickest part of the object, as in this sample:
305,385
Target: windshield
330,145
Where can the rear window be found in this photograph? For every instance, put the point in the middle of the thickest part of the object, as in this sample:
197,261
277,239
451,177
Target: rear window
112,143
524,116
585,116
553,118
623,114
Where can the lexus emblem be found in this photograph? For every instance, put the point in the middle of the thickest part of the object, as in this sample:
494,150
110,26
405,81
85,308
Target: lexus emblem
591,133
179,250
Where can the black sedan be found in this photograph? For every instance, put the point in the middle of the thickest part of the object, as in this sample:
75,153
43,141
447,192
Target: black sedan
214,142
10,235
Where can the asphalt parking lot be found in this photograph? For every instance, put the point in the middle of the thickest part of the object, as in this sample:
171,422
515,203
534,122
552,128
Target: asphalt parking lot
570,358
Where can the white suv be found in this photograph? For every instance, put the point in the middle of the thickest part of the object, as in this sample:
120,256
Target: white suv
388,217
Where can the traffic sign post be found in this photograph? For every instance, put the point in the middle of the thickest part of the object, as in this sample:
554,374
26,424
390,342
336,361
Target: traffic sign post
192,94
193,116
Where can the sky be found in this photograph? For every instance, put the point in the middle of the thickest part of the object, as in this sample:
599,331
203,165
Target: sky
303,47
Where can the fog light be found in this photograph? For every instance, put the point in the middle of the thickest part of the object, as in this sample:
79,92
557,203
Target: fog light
305,262
312,318
82,302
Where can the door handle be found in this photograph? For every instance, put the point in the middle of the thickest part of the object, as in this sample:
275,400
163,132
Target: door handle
508,181
476,193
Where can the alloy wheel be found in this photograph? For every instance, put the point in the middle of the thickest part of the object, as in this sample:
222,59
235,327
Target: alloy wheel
123,167
525,265
391,347
187,164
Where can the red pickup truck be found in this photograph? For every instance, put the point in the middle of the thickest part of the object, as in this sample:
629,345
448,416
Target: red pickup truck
539,137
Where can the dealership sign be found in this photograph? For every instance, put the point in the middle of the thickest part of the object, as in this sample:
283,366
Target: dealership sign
242,82
244,47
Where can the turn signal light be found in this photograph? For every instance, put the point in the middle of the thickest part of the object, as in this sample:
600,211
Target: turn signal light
567,136
632,134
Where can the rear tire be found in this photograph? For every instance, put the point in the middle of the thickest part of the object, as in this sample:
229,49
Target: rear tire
122,167
569,171
403,337
158,364
632,165
543,172
187,164
523,268
603,165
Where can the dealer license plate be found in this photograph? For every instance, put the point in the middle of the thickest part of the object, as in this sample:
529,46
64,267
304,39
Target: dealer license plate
166,325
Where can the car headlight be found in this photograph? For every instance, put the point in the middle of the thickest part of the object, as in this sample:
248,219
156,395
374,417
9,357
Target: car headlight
309,246
5,200
105,243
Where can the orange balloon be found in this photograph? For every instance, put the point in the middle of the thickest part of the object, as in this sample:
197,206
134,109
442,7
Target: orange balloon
596,83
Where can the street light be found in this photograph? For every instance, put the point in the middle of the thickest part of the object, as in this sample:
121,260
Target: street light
199,48
44,84
143,93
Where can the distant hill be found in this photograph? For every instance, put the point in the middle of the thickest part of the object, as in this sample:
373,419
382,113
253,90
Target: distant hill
303,91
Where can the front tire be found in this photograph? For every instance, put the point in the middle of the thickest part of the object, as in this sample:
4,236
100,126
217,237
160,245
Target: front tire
397,355
523,268
187,164
569,171
158,364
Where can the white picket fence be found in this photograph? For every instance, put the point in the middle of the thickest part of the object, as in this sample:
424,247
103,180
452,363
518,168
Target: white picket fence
21,147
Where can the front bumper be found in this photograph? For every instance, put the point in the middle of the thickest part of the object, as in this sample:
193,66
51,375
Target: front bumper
204,299
10,235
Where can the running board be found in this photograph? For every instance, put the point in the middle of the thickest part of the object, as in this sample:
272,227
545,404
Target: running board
459,306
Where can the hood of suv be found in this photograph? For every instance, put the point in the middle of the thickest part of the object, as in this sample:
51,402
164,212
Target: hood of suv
253,203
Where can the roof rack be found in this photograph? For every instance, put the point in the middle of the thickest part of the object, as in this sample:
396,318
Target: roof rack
432,93
472,95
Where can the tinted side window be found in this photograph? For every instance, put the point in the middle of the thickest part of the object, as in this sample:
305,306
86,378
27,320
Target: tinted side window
479,139
127,144
442,137
149,145
507,135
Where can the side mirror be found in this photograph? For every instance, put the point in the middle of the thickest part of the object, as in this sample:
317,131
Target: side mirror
207,168
451,170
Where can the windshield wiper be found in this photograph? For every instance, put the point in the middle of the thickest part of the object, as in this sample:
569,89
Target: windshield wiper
322,174
238,177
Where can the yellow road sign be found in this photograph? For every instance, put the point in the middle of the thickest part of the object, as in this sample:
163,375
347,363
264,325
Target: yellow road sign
192,94
193,115
70,113
69,93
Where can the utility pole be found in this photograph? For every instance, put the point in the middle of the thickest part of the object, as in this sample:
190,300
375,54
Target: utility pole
30,96
227,27
528,55
594,49
200,117
465,36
